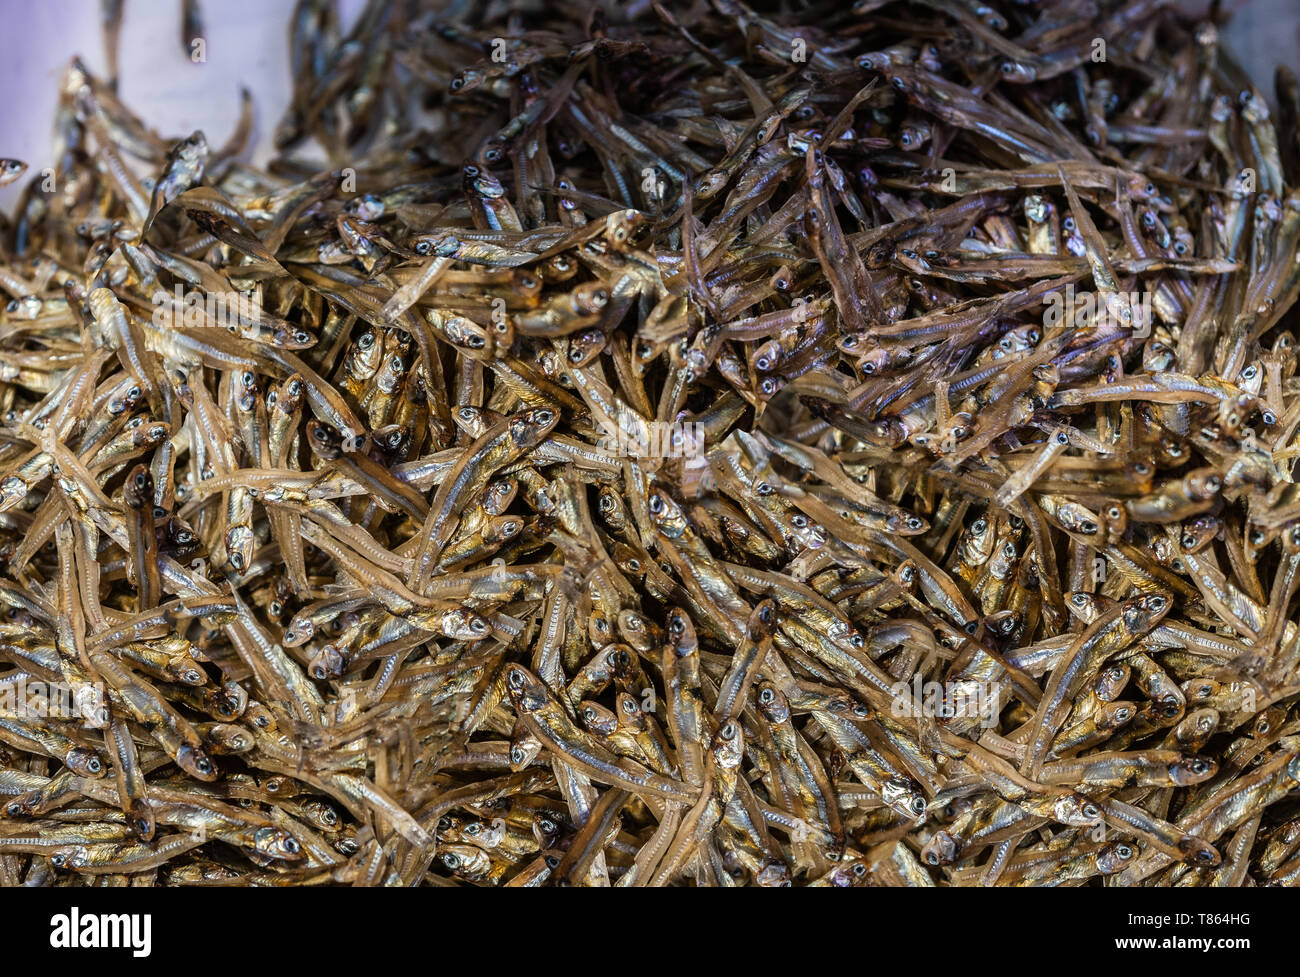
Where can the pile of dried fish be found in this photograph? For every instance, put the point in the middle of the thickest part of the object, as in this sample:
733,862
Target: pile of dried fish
662,446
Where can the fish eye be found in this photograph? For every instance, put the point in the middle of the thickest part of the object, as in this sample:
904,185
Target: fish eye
656,504
971,627
1200,766
914,522
516,754
857,641
979,526
515,679
1087,527
203,765
1269,418
800,522
1180,248
451,860
766,696
1091,811
918,805
763,488
861,711
728,731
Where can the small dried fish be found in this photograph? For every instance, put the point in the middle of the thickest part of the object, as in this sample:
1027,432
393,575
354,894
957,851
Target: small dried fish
832,448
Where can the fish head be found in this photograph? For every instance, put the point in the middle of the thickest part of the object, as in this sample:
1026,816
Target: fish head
1192,770
526,690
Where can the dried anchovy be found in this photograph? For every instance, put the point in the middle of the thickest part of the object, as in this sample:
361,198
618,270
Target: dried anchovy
661,447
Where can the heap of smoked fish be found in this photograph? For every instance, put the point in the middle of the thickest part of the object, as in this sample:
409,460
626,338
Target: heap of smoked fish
664,445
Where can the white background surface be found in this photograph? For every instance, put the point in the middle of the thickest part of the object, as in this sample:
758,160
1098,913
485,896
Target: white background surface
248,45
